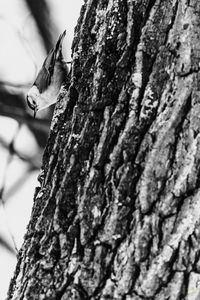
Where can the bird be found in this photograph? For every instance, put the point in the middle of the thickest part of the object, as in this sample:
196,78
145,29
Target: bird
51,77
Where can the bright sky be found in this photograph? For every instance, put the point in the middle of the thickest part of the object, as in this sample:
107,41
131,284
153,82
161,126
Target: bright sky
16,24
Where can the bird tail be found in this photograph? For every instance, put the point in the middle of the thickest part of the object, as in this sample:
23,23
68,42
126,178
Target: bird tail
58,47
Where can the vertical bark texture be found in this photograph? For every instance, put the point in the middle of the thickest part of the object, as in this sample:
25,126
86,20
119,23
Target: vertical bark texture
117,212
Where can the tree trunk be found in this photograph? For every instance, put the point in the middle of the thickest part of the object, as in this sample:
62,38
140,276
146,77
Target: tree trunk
117,214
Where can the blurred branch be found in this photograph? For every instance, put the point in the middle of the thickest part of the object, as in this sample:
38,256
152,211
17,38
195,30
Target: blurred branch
6,245
13,106
11,150
3,242
11,100
22,116
15,85
32,161
41,13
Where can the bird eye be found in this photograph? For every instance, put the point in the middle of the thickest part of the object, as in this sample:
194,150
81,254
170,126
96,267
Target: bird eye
31,103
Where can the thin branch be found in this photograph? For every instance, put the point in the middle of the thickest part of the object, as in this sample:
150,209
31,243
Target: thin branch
6,245
15,85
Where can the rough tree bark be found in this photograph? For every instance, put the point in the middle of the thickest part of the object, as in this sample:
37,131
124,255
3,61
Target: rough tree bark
117,212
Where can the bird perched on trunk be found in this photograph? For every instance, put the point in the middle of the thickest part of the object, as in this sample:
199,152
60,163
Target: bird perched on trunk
50,78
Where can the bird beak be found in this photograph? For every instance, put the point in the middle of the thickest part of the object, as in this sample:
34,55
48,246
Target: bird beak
33,107
35,111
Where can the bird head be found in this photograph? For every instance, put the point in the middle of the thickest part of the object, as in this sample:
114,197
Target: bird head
33,99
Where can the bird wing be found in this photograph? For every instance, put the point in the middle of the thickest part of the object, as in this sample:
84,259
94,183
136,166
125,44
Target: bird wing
43,79
58,47
44,76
